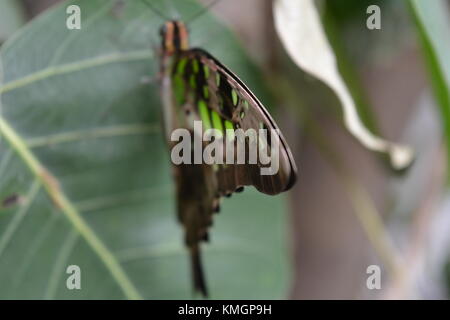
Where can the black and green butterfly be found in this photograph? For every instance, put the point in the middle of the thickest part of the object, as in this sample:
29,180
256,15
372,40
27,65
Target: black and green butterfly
196,86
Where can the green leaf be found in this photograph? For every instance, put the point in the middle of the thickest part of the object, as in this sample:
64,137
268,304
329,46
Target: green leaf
85,175
432,20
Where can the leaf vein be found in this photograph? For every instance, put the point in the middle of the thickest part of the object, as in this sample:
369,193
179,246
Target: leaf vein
52,71
97,133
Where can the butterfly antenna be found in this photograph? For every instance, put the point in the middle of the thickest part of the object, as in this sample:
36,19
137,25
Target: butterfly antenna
202,11
156,10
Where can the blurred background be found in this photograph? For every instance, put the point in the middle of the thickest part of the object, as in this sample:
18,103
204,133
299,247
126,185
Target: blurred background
333,236
341,184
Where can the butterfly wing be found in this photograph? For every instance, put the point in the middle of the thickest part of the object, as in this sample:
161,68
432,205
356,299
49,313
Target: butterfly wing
196,86
231,104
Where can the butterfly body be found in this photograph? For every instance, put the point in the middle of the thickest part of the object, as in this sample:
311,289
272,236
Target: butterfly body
197,87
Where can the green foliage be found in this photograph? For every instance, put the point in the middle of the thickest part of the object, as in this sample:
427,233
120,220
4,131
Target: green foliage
84,105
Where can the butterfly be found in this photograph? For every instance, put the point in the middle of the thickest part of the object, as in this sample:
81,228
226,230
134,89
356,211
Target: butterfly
195,86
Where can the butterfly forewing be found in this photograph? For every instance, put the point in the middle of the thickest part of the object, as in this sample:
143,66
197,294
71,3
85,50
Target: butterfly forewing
221,101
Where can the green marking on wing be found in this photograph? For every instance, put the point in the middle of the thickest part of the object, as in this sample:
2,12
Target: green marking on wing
246,104
192,82
234,96
195,66
206,92
204,115
178,89
217,122
218,79
182,66
206,71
